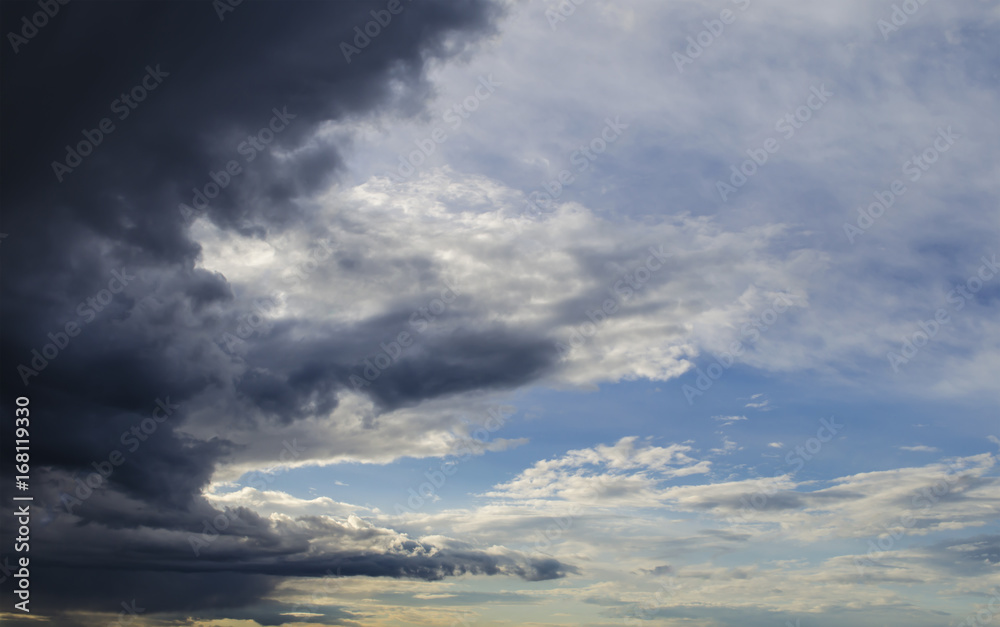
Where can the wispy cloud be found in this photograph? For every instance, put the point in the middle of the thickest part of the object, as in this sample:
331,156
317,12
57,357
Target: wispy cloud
728,446
728,420
759,401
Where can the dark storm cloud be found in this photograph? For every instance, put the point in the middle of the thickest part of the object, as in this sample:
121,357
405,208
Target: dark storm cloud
169,597
153,591
463,362
306,374
117,212
224,81
101,248
242,564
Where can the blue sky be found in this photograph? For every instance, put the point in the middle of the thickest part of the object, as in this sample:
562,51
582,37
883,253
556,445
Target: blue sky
826,357
724,269
879,102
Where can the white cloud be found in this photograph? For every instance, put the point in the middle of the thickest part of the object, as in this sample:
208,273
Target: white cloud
542,277
625,522
728,420
621,474
855,146
728,446
268,502
962,496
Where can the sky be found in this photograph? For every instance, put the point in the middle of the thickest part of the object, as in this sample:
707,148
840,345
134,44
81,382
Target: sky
674,313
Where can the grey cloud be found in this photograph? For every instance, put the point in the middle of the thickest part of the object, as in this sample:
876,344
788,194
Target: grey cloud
118,211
